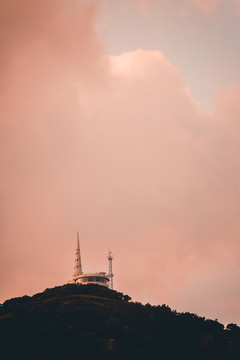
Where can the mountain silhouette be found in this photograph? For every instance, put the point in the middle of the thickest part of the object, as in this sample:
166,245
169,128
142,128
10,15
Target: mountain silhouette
94,322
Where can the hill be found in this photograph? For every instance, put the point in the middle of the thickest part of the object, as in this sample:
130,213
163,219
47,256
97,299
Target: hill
91,321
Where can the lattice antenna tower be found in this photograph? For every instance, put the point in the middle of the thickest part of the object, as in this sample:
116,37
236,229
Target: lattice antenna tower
110,274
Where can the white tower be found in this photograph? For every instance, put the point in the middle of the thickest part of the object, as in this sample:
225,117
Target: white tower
99,278
77,262
110,274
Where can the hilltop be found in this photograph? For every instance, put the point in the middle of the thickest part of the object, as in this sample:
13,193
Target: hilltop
91,321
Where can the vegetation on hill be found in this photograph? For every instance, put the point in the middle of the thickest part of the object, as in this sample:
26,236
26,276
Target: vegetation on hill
91,321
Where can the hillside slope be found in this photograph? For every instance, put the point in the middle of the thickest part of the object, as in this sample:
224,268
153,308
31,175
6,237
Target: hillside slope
73,321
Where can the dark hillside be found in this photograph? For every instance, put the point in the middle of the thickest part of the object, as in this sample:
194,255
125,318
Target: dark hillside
76,321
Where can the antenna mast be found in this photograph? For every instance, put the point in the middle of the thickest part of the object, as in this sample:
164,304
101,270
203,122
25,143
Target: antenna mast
110,258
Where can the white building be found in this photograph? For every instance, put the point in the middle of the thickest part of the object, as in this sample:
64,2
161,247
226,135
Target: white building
100,278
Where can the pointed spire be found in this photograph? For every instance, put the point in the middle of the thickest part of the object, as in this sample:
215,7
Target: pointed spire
77,270
77,245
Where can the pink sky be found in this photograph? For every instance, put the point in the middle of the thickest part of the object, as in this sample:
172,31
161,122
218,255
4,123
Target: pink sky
112,142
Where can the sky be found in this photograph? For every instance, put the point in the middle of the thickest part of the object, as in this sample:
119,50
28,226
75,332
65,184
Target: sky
120,120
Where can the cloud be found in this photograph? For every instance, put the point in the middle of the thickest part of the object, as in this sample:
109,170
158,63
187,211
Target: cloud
47,50
206,6
222,288
144,6
168,174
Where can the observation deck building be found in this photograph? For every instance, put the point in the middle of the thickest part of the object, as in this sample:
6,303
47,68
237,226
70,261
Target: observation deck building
100,278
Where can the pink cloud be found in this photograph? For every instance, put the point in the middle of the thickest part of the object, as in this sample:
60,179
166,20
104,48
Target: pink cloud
47,49
144,6
206,6
165,161
222,288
